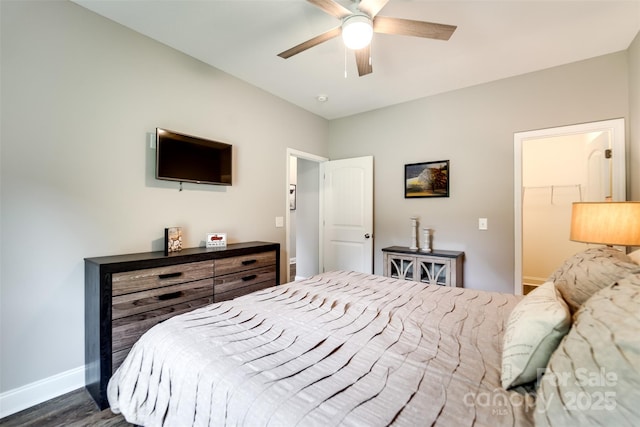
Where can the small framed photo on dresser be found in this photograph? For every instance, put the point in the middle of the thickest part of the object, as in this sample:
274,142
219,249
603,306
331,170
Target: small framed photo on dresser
216,240
172,240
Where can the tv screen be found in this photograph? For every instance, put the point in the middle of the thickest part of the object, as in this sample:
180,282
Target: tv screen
191,159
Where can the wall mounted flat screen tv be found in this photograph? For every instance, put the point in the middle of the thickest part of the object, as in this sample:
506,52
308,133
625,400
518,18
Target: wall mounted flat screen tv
188,158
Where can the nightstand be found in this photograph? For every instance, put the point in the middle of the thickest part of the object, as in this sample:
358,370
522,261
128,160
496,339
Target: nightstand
438,267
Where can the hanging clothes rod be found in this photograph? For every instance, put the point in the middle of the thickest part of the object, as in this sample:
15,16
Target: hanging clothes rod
552,188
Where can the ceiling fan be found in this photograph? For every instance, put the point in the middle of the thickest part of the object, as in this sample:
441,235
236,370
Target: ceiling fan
364,18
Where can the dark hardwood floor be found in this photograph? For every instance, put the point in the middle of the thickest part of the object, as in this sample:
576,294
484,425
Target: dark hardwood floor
75,409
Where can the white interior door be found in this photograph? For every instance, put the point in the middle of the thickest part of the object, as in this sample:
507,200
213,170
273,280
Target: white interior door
347,215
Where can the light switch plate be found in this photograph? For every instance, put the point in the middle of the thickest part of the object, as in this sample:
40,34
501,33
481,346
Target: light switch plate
482,224
279,221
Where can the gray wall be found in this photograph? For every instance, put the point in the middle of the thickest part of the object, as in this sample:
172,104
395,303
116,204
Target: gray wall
473,128
79,95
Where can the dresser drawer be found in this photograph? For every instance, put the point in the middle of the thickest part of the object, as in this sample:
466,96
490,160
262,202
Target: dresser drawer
233,285
153,299
140,280
244,262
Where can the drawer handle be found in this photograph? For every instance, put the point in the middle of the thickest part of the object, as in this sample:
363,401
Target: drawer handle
249,262
169,275
172,295
247,278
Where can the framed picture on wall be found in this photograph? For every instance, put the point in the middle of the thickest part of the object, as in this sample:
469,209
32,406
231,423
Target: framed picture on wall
426,179
292,197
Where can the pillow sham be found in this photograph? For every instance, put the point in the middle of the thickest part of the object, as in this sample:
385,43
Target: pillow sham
593,378
587,272
535,327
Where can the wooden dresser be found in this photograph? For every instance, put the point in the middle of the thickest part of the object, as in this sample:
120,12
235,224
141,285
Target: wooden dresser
125,295
438,267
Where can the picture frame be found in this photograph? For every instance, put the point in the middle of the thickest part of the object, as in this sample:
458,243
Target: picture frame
172,240
292,197
216,240
426,179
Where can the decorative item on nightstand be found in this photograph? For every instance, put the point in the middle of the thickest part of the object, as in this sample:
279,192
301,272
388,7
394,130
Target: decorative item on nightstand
216,240
172,240
414,233
427,244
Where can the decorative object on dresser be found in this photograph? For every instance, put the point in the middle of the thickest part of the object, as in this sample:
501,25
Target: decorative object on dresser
216,240
125,295
426,179
172,240
438,267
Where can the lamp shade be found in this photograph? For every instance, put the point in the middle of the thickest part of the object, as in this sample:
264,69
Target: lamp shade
606,223
357,31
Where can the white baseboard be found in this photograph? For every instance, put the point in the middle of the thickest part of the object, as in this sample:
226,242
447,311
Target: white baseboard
533,280
29,395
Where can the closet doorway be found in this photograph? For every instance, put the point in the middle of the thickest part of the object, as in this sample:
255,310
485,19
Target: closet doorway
554,168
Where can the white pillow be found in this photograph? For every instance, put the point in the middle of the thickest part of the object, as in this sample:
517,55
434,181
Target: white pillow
635,256
535,327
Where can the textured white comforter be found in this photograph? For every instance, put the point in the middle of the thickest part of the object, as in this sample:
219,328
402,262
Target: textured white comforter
340,348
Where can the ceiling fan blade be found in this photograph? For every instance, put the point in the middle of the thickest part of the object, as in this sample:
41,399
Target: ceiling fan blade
372,7
332,8
363,61
409,27
311,43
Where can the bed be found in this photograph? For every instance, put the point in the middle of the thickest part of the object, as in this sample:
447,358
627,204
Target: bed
340,348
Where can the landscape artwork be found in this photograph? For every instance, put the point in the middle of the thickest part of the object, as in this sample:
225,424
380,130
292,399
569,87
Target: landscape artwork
426,179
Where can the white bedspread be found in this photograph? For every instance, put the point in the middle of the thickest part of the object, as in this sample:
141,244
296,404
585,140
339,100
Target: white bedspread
340,348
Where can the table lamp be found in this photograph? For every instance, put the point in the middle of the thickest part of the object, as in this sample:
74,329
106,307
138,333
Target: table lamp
606,223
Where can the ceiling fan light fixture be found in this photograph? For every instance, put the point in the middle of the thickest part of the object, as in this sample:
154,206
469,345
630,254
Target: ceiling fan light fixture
357,31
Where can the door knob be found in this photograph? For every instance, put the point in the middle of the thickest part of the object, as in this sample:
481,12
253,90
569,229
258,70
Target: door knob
366,236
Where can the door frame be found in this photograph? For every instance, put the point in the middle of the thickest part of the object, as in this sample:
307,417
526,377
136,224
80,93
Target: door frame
298,155
617,129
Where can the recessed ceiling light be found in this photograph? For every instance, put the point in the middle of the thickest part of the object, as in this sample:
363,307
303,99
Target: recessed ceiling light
322,98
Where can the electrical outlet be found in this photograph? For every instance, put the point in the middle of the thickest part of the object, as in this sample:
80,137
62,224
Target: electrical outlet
279,222
482,224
